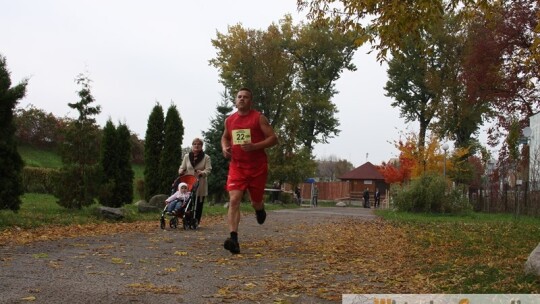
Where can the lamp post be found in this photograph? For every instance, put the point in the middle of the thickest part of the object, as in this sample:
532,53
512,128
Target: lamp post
490,167
445,148
527,133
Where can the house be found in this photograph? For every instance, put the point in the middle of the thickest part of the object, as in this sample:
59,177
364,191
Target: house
365,176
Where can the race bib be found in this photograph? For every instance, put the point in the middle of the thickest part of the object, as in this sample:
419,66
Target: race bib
241,136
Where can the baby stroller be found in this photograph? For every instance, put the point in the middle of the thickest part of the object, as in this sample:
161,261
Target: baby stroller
187,210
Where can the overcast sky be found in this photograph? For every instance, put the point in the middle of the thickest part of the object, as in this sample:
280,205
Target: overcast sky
138,53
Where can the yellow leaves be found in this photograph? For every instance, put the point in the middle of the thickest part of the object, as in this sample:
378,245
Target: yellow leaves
478,272
40,255
151,288
54,265
30,298
222,261
224,291
17,235
281,301
309,263
117,261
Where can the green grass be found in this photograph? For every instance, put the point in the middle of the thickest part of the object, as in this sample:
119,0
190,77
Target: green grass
38,210
139,171
33,157
473,253
472,217
41,210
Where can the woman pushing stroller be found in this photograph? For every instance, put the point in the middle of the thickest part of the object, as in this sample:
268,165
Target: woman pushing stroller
199,164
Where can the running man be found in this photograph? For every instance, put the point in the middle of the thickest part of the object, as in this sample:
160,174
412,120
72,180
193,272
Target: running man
246,136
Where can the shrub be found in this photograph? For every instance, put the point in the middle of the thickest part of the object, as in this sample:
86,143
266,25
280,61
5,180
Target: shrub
139,187
429,194
75,190
106,195
456,201
38,180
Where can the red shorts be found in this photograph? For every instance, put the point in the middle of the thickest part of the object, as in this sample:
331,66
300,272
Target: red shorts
251,179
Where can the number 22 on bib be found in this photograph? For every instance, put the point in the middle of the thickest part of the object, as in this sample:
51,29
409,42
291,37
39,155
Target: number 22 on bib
241,136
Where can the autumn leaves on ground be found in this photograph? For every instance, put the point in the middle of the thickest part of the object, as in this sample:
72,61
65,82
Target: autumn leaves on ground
356,256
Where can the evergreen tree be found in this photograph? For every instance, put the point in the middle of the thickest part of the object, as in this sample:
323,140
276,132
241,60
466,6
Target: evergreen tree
171,157
117,174
10,160
109,166
153,146
79,176
220,165
124,182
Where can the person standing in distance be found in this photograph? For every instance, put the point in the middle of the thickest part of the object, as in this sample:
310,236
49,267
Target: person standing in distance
246,136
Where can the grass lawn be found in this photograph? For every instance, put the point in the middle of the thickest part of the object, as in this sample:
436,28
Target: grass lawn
39,158
475,253
34,157
38,210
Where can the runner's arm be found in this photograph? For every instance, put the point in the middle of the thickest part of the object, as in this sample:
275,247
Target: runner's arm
226,142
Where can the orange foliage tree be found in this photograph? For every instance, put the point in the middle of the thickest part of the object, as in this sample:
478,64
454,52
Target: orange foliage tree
413,162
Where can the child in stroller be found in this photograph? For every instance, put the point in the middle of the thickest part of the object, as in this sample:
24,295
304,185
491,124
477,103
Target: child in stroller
181,203
177,201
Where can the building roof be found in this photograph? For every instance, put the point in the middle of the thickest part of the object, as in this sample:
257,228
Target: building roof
365,171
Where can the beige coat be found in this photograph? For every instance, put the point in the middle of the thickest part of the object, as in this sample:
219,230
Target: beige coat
205,166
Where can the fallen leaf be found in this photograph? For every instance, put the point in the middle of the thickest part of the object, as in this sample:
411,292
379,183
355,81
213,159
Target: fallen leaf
30,298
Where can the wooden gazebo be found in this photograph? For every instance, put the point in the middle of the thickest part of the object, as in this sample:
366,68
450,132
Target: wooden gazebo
365,177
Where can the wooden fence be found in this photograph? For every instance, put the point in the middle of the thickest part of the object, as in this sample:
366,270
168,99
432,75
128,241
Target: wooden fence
506,199
330,191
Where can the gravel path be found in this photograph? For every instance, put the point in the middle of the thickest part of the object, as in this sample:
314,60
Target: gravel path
166,266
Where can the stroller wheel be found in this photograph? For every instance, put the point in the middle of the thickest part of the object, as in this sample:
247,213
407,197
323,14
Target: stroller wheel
185,223
173,223
162,222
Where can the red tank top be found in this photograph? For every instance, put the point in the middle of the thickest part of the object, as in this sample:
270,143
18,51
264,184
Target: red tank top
243,128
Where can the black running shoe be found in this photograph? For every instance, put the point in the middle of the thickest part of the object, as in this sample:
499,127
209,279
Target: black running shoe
261,216
232,246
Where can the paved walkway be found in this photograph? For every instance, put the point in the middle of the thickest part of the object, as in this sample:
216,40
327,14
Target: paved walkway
161,266
332,211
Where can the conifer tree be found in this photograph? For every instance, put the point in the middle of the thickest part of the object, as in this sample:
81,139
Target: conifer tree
117,174
124,182
220,165
171,157
109,166
11,163
153,146
79,176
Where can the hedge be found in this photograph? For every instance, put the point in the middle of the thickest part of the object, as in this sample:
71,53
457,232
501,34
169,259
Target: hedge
38,180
